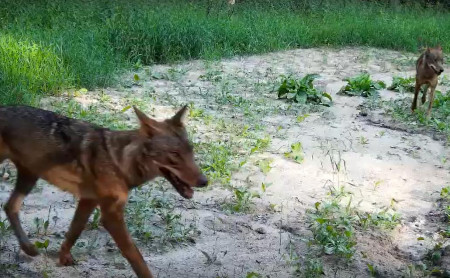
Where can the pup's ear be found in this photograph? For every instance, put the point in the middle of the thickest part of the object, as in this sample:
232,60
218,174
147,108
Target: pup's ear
149,127
177,119
428,50
439,47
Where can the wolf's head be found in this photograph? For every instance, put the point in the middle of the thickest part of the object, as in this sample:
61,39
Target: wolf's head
434,58
166,145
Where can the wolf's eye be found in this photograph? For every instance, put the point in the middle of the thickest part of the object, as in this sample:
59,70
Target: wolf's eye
176,155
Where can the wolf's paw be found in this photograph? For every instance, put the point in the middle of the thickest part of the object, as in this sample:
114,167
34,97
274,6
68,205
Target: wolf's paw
65,259
30,249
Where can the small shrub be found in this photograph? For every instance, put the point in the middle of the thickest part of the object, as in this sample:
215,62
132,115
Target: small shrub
362,85
402,85
303,91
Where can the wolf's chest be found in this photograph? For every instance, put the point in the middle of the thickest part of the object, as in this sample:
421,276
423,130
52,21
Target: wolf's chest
69,178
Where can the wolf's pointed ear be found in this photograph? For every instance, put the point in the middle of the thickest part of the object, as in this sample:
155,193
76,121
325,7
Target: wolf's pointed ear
428,50
149,126
439,47
178,117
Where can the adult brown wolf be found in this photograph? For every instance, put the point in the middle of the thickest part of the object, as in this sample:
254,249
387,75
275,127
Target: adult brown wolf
97,165
428,67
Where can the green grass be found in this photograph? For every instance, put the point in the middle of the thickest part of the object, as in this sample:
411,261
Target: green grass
46,46
150,205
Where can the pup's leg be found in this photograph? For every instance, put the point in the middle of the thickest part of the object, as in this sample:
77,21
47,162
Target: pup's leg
424,95
416,93
113,221
84,210
430,105
25,182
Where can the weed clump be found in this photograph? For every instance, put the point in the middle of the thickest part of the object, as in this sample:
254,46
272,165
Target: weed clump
402,85
362,85
303,91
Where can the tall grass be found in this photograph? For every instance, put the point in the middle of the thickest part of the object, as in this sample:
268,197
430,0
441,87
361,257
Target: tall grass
48,45
28,67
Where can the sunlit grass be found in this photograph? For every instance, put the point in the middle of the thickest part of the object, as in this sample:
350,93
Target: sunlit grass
28,69
48,45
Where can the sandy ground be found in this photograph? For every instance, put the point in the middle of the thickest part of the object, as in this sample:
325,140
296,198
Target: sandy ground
391,164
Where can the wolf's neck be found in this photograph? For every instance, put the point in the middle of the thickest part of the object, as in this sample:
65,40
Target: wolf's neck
125,150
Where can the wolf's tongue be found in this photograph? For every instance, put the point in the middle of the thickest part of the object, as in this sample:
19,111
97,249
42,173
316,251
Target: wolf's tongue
182,188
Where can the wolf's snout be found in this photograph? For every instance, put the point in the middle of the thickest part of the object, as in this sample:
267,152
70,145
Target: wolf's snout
202,181
441,71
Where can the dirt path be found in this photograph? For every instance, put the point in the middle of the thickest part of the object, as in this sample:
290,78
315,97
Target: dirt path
382,166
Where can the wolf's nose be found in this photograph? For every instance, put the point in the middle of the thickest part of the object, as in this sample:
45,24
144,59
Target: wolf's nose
202,181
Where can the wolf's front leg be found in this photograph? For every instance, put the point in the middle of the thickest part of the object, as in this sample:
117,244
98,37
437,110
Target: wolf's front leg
84,210
113,220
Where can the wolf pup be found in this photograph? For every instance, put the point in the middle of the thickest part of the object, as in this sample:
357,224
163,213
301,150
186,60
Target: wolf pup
428,67
97,165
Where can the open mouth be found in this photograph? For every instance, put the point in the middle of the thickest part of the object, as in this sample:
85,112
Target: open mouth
183,188
438,72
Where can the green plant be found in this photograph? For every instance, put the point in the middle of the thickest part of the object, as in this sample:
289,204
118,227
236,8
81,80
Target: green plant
362,85
4,229
386,218
217,160
261,144
296,153
363,140
312,267
39,224
402,85
253,275
95,223
264,165
372,270
242,200
303,90
301,118
445,193
195,112
42,245
377,184
332,226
